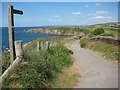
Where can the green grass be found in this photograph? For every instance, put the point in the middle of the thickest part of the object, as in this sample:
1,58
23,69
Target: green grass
71,29
84,42
107,34
86,31
110,31
5,61
98,31
109,51
115,33
39,68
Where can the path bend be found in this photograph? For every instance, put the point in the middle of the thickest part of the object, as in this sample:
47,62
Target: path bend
95,71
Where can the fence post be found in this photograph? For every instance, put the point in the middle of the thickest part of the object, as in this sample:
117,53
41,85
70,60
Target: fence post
18,49
42,45
38,46
47,45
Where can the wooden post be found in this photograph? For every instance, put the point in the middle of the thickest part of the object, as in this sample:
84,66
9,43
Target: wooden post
38,46
11,32
47,45
50,42
18,49
42,45
11,12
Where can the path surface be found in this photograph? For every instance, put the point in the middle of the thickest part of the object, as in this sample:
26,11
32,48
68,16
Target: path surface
95,71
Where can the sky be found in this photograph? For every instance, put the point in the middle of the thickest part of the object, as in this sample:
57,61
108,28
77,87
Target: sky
61,13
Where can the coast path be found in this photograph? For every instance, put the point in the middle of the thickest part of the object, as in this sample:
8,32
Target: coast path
95,71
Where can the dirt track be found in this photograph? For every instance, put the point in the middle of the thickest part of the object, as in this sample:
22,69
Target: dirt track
95,71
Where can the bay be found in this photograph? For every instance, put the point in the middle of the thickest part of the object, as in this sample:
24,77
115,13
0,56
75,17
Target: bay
21,35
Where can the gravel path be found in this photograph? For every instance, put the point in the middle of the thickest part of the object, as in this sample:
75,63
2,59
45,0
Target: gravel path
95,71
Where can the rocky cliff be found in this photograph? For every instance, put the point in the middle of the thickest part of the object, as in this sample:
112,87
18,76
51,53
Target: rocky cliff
53,31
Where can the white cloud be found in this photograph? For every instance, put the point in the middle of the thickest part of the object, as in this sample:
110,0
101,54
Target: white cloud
101,12
57,16
76,13
102,17
86,5
98,4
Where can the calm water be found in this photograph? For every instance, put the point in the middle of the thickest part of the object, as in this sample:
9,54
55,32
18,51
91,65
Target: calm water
20,35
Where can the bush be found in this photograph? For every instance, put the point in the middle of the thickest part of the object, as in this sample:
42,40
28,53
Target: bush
98,31
86,31
5,61
40,69
83,42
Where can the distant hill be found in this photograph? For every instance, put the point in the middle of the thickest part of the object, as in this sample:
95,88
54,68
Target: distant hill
110,28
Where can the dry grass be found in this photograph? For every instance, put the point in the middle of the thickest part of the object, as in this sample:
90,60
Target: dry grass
68,78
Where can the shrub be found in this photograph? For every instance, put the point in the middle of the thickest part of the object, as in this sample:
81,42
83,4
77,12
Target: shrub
40,69
86,31
83,42
98,31
5,61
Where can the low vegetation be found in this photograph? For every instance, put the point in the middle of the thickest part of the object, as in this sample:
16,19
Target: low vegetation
105,29
5,61
109,51
98,31
105,49
71,29
107,34
41,69
51,68
68,78
84,42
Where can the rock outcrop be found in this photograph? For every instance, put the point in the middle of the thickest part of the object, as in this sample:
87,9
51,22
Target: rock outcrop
54,31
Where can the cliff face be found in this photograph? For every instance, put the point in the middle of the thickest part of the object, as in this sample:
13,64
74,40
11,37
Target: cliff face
53,31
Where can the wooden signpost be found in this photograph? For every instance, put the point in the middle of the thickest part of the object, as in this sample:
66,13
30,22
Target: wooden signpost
11,12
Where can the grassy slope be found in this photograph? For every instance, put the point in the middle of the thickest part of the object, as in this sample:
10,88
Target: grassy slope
109,51
87,29
106,50
41,69
110,30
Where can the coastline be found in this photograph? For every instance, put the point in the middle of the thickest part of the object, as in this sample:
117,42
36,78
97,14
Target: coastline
25,44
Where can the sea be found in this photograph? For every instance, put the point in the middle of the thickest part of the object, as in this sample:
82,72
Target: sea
21,35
